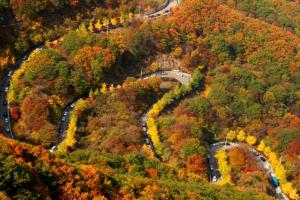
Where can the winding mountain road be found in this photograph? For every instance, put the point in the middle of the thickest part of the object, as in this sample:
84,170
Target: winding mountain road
259,157
183,78
5,120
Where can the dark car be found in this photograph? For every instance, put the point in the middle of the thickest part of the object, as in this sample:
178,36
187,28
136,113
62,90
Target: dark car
5,114
263,159
4,103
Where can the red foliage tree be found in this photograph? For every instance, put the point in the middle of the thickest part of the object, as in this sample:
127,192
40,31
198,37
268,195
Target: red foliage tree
14,113
196,164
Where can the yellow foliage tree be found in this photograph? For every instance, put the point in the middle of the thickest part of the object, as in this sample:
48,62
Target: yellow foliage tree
241,136
91,26
111,88
279,170
251,139
114,21
130,16
153,133
98,25
267,151
103,88
261,146
224,167
288,189
105,22
70,139
231,135
122,19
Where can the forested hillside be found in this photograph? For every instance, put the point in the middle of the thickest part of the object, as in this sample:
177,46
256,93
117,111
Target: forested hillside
198,99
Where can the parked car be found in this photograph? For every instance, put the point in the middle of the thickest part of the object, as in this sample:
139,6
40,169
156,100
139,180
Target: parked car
263,159
25,57
52,149
214,178
63,119
6,120
5,114
147,140
274,180
144,128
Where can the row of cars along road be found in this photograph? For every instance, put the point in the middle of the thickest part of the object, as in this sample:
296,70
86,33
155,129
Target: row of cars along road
5,121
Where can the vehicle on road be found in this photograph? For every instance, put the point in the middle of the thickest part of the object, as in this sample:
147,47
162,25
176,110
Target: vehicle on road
25,57
6,89
4,103
63,119
214,179
147,140
9,73
144,126
53,148
217,173
7,130
72,105
5,114
6,120
263,159
65,113
274,180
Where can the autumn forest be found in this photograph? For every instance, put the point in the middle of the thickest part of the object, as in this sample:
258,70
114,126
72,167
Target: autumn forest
150,99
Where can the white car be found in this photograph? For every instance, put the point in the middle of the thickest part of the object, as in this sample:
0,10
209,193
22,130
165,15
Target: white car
63,119
6,89
25,57
65,113
52,149
147,141
9,73
214,179
6,120
72,105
